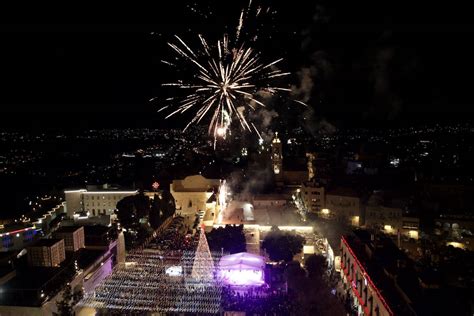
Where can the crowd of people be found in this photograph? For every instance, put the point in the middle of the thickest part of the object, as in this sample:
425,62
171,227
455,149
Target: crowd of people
144,282
174,237
260,301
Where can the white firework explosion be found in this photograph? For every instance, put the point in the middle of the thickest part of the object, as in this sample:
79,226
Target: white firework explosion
225,81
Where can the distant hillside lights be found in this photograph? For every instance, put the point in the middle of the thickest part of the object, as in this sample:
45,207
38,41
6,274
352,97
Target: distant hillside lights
395,162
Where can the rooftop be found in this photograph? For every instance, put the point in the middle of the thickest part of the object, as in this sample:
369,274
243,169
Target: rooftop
242,260
46,242
95,230
195,183
86,257
24,289
100,188
32,278
387,198
68,229
342,191
378,260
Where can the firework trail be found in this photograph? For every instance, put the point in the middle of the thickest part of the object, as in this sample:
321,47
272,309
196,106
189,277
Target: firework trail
226,78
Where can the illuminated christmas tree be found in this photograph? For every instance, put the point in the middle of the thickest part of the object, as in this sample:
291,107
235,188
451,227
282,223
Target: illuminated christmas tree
203,266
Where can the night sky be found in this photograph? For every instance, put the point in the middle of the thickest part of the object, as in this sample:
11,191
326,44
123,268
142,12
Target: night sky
364,64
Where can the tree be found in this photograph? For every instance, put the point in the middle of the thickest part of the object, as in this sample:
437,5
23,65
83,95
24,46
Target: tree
230,238
309,290
282,245
168,206
126,212
128,216
295,276
69,299
316,266
162,207
317,297
142,205
133,208
155,216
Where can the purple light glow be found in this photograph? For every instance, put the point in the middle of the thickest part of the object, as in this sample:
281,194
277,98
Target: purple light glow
242,269
242,277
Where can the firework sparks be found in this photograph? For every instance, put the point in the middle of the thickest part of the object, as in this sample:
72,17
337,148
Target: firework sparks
225,82
223,189
221,131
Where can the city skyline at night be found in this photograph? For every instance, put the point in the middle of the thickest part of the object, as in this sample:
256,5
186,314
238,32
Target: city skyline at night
250,157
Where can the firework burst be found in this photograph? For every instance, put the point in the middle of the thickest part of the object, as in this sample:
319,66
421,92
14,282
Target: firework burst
226,79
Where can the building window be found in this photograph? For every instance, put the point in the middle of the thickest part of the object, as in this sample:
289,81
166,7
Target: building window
7,242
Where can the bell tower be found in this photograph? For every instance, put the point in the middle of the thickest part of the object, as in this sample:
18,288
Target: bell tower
277,156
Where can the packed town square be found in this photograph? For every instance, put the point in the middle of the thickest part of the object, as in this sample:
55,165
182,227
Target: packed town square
177,273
